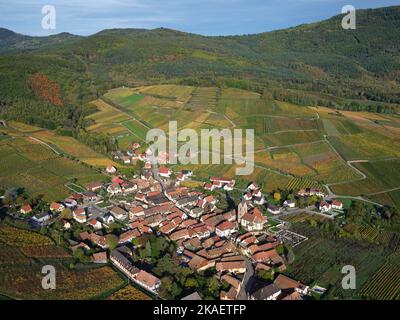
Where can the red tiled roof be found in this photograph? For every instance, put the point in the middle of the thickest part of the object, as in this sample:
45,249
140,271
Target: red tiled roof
100,256
263,256
26,208
55,206
230,266
226,225
164,170
146,278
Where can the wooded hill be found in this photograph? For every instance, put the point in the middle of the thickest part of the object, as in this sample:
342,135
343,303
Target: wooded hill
312,64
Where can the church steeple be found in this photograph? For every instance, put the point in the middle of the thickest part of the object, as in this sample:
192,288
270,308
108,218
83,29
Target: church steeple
242,209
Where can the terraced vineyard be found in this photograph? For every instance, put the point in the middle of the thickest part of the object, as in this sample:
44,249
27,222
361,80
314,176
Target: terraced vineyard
290,139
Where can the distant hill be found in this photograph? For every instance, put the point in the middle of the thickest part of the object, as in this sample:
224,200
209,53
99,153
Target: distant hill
12,41
311,64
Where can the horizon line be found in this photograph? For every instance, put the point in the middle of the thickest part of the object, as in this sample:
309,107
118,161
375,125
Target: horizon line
187,32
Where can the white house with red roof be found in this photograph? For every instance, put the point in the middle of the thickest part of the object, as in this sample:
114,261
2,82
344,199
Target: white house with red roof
56,207
225,229
79,215
164,172
289,204
95,224
247,196
147,281
253,220
252,186
336,204
26,209
111,169
325,206
114,189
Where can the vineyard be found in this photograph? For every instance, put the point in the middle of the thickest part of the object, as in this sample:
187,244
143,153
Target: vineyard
169,91
319,261
381,176
22,238
303,183
34,167
24,282
29,244
384,284
203,99
129,293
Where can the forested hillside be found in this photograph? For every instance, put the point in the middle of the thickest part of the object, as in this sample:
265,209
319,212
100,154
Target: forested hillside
316,64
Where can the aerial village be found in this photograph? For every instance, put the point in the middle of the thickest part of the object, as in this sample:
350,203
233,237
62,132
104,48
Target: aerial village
234,242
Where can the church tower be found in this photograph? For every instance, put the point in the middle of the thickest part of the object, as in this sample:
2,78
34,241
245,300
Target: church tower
242,209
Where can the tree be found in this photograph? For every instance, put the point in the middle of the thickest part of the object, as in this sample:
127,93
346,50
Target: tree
43,230
313,223
79,254
266,274
290,255
158,245
277,196
11,195
301,203
191,283
280,249
148,249
213,286
166,265
112,241
169,288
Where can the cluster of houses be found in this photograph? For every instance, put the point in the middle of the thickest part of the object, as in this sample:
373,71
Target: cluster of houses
130,156
309,192
326,205
283,288
42,217
219,183
206,237
253,195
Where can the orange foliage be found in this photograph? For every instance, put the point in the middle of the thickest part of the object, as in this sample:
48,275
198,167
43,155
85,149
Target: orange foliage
45,89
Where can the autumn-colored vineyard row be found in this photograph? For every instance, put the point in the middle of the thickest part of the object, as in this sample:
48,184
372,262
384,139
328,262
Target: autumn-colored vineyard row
385,284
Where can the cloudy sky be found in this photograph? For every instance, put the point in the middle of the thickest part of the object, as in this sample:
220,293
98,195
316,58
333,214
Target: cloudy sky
208,17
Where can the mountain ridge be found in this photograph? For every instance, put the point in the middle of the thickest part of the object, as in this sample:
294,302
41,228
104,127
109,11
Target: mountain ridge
311,64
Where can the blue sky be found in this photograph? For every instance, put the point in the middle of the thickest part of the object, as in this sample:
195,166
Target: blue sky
208,17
